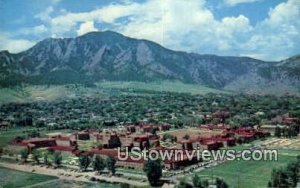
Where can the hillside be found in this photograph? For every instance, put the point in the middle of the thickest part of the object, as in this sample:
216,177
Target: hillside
32,93
99,56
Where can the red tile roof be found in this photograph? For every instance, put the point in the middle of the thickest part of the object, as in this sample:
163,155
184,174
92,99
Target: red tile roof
110,152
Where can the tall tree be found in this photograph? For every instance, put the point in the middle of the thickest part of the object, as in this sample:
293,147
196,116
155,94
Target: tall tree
84,162
98,163
24,154
197,181
57,158
153,170
184,184
277,132
36,156
279,178
221,183
110,164
1,151
46,158
292,171
205,183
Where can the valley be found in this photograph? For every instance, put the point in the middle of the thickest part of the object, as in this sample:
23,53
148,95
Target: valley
167,114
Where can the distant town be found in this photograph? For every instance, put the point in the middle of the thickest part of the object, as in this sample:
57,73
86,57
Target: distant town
79,138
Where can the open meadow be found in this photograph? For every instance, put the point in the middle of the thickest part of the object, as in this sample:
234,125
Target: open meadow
251,174
12,178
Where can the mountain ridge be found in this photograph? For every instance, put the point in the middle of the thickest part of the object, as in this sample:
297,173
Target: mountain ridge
108,55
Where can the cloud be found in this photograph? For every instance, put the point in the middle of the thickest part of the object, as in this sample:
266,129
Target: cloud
278,36
180,25
86,27
55,1
40,29
45,15
108,14
235,2
36,30
14,45
189,26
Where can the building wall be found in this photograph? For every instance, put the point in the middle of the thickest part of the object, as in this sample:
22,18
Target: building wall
66,143
135,165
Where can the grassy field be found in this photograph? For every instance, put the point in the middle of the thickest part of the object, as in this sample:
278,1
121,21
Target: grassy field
49,93
169,86
247,174
12,178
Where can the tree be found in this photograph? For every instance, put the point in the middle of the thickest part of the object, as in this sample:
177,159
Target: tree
277,132
33,134
292,171
205,183
84,162
124,185
287,177
98,163
36,156
186,137
279,178
115,142
184,184
197,181
46,159
153,131
1,151
24,154
221,183
292,131
57,158
153,170
110,164
269,184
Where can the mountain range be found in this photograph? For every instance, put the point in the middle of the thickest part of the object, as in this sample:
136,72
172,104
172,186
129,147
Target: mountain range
108,55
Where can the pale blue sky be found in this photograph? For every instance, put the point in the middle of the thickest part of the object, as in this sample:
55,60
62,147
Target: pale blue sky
264,29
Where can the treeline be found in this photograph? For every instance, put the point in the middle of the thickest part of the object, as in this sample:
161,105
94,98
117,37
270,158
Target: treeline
197,182
288,132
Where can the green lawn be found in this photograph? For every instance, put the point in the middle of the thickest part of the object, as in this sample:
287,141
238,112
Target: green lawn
247,174
169,86
12,178
290,152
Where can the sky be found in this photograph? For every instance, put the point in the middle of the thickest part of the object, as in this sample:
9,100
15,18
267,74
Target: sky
262,29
